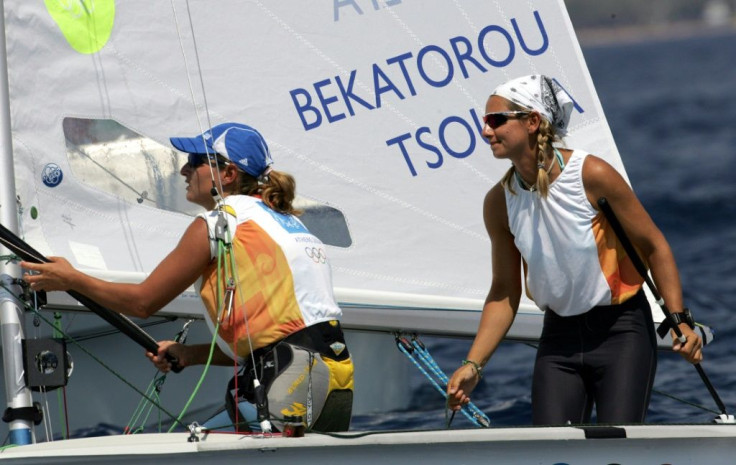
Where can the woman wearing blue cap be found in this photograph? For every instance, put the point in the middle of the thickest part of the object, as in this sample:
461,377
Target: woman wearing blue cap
264,279
598,344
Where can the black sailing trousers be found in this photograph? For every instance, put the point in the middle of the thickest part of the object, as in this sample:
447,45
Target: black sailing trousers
606,356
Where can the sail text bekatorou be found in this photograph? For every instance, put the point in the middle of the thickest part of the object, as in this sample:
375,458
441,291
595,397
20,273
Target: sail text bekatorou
407,74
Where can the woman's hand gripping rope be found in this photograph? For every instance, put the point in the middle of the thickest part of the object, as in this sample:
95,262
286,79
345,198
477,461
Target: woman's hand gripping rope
462,383
168,350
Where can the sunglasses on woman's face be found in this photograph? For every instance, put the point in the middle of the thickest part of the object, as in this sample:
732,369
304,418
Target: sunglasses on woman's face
494,120
196,160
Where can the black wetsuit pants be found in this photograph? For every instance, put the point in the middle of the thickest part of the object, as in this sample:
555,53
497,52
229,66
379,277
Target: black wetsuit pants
606,356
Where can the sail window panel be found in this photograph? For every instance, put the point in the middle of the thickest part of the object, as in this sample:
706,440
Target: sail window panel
110,157
106,155
324,221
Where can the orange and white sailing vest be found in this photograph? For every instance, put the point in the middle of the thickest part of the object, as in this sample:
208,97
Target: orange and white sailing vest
574,261
284,280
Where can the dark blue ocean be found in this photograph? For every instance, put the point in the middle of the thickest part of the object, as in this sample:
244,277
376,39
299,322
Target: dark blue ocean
672,108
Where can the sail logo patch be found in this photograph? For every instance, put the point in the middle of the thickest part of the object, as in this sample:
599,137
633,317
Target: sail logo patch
52,175
86,24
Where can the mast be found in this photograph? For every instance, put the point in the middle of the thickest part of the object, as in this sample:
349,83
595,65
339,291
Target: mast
19,407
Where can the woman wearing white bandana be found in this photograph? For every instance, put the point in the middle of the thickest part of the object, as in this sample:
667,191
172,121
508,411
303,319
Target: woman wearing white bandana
598,344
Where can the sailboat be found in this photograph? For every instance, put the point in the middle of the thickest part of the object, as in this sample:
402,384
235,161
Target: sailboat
374,107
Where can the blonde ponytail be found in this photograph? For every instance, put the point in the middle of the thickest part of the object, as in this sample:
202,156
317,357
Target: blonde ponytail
277,190
545,136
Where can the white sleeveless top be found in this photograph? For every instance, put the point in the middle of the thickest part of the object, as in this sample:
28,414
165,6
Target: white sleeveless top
574,260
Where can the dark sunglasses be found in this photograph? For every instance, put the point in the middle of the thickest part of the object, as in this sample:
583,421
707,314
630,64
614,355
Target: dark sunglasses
497,119
196,160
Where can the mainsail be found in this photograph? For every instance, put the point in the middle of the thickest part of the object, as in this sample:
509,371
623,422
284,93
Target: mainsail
374,106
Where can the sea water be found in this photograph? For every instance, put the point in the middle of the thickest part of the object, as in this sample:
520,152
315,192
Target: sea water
671,105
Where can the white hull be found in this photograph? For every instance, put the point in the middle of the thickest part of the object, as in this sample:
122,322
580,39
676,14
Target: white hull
91,388
95,396
645,445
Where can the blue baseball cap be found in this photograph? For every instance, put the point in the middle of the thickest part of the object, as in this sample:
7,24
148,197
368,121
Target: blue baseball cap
239,143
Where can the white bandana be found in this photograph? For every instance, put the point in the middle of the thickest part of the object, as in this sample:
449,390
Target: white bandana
542,94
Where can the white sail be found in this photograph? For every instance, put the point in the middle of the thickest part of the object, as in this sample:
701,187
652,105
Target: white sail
374,106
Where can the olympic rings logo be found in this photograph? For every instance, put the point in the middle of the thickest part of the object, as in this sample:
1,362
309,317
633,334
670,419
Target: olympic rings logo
318,255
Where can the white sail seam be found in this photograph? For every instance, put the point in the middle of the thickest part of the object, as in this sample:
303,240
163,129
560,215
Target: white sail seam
393,279
378,193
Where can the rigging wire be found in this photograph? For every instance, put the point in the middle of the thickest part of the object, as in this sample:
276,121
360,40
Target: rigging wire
260,394
113,331
48,429
143,411
47,418
60,395
186,64
140,196
199,383
71,339
686,402
224,243
216,181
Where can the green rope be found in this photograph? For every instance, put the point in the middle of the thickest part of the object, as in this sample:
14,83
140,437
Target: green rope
201,380
227,275
153,390
10,258
222,249
90,354
105,366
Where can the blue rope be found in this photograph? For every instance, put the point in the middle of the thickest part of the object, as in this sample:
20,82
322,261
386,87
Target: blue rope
429,361
424,372
478,416
473,413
